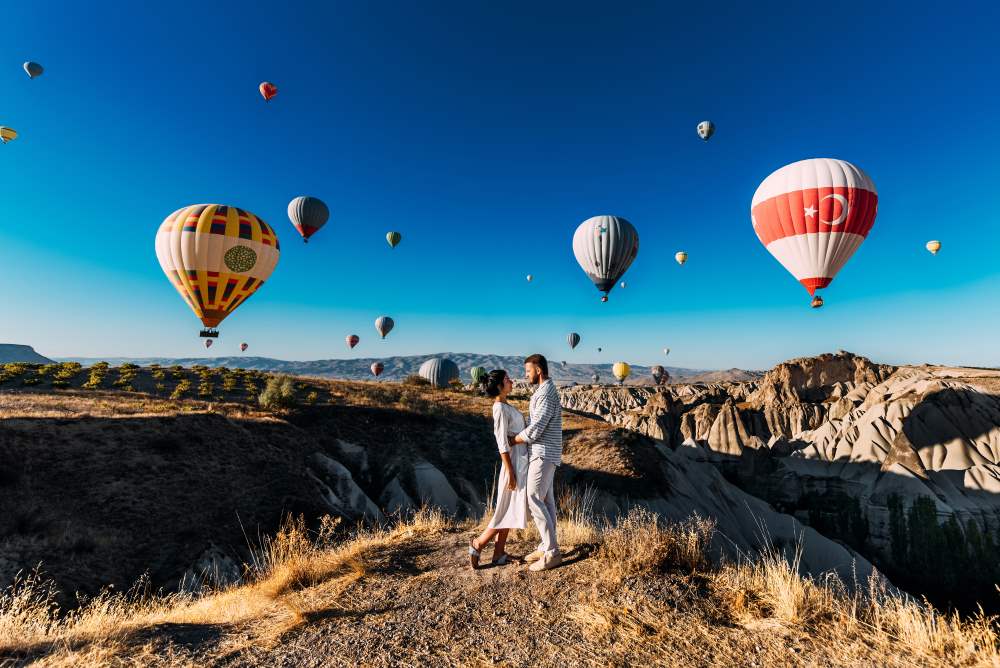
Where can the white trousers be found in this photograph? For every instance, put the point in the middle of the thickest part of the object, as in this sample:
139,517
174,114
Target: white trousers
542,502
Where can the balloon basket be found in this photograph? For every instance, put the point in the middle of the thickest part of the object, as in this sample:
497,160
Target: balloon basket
209,334
604,299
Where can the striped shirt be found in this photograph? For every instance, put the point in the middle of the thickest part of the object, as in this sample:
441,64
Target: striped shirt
544,432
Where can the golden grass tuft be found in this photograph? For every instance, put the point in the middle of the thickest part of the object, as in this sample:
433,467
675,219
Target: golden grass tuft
644,543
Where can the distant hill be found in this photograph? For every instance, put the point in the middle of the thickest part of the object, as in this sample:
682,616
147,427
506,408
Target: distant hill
397,368
14,352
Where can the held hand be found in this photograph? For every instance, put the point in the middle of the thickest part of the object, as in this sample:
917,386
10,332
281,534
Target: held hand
512,440
512,483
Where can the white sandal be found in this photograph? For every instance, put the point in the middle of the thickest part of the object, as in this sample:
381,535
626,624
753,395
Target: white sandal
473,555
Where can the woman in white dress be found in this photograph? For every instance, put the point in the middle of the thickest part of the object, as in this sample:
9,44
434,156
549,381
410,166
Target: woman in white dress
512,497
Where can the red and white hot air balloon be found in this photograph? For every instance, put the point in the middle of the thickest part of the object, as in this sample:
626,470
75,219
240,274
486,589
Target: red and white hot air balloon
377,369
267,90
812,215
352,340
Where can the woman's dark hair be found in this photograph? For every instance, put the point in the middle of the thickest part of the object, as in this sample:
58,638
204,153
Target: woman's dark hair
494,382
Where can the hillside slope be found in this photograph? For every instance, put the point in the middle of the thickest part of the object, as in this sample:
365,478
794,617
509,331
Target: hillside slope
12,352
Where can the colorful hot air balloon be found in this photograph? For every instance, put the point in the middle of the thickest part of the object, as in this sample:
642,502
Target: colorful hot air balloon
530,277
816,302
243,347
478,374
352,340
268,90
384,325
393,238
681,257
573,339
439,371
33,69
660,375
216,256
605,247
6,134
706,129
308,214
933,247
377,369
621,370
209,342
812,215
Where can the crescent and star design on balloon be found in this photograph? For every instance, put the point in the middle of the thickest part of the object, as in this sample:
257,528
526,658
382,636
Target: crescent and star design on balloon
811,211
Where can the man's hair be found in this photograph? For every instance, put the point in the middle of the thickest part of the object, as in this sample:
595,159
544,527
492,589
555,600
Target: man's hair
539,361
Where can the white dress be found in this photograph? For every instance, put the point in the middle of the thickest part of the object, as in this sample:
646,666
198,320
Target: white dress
511,507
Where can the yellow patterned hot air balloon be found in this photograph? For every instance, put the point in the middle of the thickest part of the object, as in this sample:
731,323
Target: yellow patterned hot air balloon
933,247
621,370
6,134
216,256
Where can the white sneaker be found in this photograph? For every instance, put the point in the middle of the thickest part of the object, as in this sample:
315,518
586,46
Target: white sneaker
546,562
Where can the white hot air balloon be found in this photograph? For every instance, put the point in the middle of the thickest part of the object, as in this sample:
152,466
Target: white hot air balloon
530,277
605,246
706,129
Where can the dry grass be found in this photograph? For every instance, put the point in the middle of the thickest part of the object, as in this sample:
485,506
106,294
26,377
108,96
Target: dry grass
643,543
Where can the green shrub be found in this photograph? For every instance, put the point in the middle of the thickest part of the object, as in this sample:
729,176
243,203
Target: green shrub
312,397
68,371
414,379
159,374
182,388
47,370
60,384
278,393
160,388
30,381
205,389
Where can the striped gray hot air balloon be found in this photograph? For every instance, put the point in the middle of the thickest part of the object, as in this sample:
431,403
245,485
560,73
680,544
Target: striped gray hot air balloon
573,339
605,247
308,214
439,371
384,325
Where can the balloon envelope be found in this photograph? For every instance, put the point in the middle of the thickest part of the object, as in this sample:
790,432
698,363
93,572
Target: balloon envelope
604,247
439,371
666,351
706,129
812,215
933,247
216,256
530,277
384,325
478,374
33,69
377,369
621,370
660,375
573,339
393,238
308,214
352,340
681,257
6,134
209,342
268,90
243,347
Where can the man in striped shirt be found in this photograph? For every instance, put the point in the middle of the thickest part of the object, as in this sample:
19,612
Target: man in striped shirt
544,436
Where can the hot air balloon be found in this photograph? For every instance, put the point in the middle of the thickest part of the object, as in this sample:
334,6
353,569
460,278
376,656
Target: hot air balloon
352,340
530,277
384,325
596,377
478,374
706,129
6,134
816,302
681,257
598,350
812,215
243,347
933,247
666,351
660,375
621,370
209,342
268,90
216,256
573,339
33,69
377,368
308,214
439,371
623,284
605,247
393,238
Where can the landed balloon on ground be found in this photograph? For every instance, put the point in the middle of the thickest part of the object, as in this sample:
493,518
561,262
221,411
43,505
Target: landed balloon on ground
706,129
243,347
33,69
7,134
352,340
393,238
812,216
267,90
439,371
478,374
216,256
604,247
933,247
308,214
681,257
377,369
573,339
384,325
621,370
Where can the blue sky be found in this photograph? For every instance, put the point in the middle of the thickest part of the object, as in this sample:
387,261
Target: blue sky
485,133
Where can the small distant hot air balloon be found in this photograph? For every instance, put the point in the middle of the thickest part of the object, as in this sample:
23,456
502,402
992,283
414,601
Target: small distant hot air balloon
604,247
933,247
478,374
33,69
599,350
530,277
308,214
706,129
393,238
216,257
352,340
623,284
621,370
817,301
573,339
681,257
666,351
384,325
268,90
660,375
243,347
209,342
7,134
377,369
596,377
439,371
812,215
